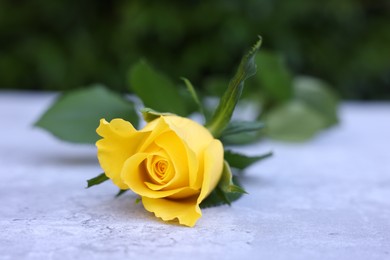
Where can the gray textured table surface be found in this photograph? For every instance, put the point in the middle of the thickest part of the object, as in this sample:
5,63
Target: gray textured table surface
325,199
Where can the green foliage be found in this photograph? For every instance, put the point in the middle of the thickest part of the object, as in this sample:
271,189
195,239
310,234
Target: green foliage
293,121
218,198
226,182
149,114
120,193
227,190
194,95
228,102
79,107
236,127
155,89
312,109
318,96
241,132
241,161
68,44
274,77
241,138
75,116
97,180
293,108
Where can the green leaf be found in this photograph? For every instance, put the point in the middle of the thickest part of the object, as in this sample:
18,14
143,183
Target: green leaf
241,132
313,109
224,111
294,121
241,161
215,85
97,180
227,190
236,127
240,138
274,77
217,197
155,89
318,96
195,97
75,116
149,114
120,192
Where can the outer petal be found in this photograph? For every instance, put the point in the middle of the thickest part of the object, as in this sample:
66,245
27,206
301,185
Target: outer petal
117,126
120,141
184,210
187,211
213,166
195,135
155,128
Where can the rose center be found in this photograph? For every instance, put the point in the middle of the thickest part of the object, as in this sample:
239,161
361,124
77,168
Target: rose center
160,168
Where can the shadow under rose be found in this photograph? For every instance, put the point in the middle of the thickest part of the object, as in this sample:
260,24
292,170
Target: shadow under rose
62,158
122,210
69,159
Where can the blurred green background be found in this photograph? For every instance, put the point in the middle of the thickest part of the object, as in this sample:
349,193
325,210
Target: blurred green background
60,45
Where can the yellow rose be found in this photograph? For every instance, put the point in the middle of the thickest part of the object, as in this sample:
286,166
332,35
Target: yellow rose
173,163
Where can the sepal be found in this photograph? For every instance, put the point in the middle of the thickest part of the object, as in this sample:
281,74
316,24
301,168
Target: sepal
149,114
120,192
224,111
97,180
226,182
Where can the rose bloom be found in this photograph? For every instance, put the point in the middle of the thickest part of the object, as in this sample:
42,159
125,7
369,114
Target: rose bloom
173,163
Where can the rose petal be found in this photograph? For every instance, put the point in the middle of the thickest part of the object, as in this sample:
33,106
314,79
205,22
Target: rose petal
196,137
135,176
156,128
120,141
173,164
182,157
117,126
186,211
213,166
160,181
194,134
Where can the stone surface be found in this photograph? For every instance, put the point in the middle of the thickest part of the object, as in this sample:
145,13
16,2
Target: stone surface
328,198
